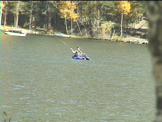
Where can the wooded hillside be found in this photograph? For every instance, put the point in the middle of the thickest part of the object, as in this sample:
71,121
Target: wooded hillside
88,18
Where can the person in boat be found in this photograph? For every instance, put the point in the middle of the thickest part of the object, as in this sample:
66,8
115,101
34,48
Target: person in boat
78,52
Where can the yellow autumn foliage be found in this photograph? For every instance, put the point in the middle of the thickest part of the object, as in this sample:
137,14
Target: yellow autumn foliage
66,9
124,6
2,4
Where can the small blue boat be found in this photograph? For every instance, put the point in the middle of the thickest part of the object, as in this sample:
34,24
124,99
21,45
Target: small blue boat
81,58
61,35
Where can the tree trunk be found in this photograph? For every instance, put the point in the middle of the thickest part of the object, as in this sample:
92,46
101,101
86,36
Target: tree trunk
1,12
31,16
49,21
121,31
17,14
79,28
98,28
55,21
98,22
155,46
85,30
92,27
46,23
5,16
113,33
91,19
66,26
71,26
49,16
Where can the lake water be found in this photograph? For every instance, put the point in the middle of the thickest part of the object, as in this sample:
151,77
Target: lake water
40,82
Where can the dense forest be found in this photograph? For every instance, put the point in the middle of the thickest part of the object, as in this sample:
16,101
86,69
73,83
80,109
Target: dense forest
88,18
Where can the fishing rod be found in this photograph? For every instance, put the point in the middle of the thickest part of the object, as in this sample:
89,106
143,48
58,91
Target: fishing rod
63,42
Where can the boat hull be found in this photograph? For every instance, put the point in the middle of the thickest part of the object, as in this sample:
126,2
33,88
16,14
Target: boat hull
81,58
15,34
61,35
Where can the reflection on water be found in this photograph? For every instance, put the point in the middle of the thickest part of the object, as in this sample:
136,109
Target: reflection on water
41,82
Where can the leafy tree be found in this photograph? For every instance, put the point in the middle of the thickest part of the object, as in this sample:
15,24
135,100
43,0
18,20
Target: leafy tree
141,7
47,12
107,27
124,8
82,8
87,11
92,17
27,11
107,10
64,12
67,11
15,8
51,8
96,13
138,10
73,16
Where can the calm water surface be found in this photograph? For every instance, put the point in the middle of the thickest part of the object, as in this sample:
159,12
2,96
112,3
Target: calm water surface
40,82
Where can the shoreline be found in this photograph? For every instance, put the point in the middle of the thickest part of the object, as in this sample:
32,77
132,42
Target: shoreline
128,39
